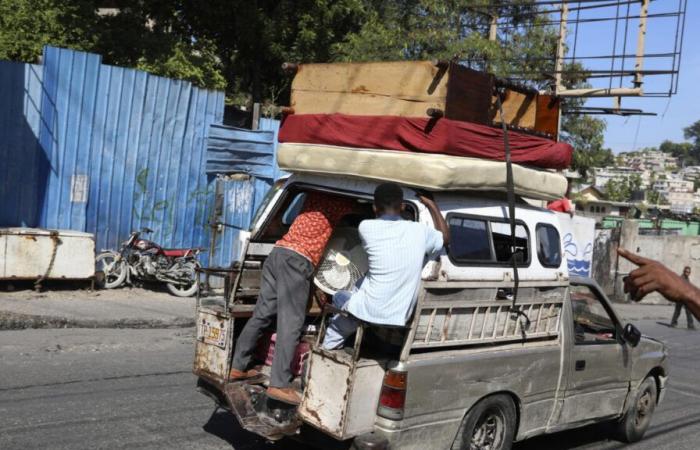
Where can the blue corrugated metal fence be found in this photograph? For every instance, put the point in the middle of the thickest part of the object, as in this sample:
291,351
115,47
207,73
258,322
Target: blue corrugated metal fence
104,149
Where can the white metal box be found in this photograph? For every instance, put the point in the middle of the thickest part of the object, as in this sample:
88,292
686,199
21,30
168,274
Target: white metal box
31,253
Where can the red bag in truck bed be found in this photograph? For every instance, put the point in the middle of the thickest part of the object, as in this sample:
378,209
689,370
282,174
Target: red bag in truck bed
424,135
265,351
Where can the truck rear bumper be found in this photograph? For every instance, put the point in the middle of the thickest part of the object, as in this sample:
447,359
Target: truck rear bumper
370,441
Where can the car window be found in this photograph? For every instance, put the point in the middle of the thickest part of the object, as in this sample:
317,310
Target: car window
476,240
502,242
294,209
592,322
548,245
265,203
469,239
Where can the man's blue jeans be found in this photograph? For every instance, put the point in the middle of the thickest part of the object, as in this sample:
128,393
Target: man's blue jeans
340,327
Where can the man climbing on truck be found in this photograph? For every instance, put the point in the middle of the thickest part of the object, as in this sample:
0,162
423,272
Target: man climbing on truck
284,292
396,251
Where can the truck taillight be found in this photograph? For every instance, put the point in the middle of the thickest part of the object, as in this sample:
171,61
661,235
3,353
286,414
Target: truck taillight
393,395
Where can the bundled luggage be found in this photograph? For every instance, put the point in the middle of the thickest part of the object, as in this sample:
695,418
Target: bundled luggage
422,124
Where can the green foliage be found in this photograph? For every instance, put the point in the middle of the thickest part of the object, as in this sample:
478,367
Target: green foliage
693,132
621,190
240,45
655,198
687,154
141,35
27,25
436,29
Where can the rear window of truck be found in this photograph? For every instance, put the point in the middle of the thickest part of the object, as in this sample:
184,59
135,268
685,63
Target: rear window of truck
548,245
481,240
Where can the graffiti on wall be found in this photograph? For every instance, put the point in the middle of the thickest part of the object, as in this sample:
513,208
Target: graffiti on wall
578,234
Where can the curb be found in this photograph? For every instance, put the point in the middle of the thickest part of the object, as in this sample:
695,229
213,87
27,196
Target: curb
14,321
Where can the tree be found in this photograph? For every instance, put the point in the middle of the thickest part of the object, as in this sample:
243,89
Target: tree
620,190
684,151
693,132
142,34
240,45
27,25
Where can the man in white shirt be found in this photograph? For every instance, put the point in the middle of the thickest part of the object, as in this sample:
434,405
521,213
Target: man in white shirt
396,251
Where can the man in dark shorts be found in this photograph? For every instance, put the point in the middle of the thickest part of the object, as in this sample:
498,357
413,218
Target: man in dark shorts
284,292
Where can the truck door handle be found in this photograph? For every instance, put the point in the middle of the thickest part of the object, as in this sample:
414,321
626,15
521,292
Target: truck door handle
580,364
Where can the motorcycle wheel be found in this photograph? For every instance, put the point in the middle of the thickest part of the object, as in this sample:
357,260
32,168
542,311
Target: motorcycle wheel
114,272
185,290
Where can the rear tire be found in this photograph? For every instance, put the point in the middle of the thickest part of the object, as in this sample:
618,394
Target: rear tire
636,421
489,425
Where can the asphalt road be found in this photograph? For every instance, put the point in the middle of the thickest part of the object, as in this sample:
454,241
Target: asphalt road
104,388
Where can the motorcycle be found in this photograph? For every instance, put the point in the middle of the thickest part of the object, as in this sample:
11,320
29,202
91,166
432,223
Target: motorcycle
147,261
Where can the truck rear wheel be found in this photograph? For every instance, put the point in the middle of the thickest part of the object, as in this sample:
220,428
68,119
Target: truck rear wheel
638,417
489,425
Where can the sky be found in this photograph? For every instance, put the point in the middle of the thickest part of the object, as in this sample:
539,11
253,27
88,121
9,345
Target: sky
674,113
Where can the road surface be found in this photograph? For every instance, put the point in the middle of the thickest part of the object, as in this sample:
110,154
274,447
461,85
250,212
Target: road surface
109,388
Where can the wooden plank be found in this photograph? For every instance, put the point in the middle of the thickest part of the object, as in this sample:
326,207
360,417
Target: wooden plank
312,102
547,117
518,109
468,95
415,80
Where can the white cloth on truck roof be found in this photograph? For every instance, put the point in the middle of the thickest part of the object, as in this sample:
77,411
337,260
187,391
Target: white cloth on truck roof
429,171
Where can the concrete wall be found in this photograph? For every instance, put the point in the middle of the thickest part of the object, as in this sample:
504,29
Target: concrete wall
673,251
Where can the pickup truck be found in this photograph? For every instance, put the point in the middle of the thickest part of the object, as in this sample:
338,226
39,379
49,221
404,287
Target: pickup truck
478,366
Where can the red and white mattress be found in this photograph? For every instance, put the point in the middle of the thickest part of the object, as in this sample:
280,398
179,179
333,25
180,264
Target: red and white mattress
424,135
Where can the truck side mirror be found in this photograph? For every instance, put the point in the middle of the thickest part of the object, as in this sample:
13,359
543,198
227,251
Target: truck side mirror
631,335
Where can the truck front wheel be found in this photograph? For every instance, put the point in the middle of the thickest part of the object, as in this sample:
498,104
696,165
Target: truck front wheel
489,425
634,423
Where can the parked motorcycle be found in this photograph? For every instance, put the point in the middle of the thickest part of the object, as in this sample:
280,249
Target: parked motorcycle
147,261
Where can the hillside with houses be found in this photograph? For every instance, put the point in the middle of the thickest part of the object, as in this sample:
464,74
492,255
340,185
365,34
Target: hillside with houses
653,185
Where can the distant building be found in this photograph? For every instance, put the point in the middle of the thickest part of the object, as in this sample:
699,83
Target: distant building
601,176
590,201
678,193
651,160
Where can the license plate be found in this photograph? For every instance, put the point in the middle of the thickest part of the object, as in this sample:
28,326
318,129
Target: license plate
212,330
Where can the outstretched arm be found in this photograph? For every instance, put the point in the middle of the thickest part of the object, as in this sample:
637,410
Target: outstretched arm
653,276
439,221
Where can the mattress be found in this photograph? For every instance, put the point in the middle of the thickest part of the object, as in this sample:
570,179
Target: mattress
424,135
429,171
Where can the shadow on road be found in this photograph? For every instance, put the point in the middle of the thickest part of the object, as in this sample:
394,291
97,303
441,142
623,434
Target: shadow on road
224,425
592,434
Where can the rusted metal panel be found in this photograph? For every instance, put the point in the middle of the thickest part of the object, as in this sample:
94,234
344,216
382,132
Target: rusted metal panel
30,253
341,394
325,398
211,358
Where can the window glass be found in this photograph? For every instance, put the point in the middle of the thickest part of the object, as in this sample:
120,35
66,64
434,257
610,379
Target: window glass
266,202
294,209
469,240
502,242
548,245
592,322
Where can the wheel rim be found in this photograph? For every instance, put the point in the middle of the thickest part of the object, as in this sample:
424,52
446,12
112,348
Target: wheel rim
644,407
488,432
190,270
106,264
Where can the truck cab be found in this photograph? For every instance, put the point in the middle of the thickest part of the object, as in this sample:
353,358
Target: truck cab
483,361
